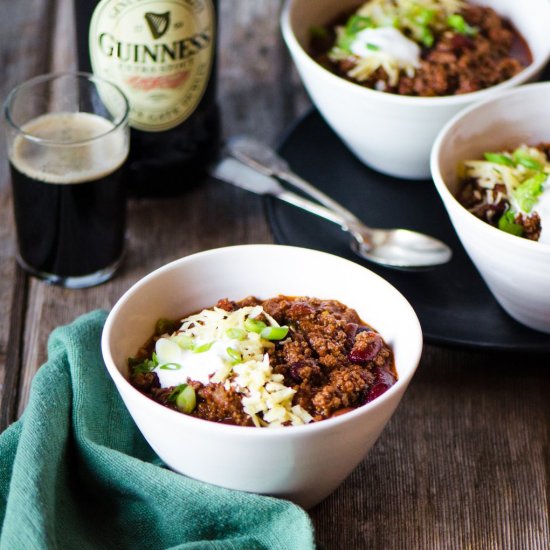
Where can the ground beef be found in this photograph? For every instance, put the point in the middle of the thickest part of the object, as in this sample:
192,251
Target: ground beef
332,359
531,226
218,404
455,64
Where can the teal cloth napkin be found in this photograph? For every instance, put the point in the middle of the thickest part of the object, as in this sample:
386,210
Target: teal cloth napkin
76,473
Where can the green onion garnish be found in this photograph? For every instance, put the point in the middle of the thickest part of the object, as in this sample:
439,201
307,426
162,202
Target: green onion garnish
274,333
508,224
253,325
170,366
458,23
424,16
427,37
234,355
183,341
357,23
236,333
528,192
498,158
185,398
521,157
203,347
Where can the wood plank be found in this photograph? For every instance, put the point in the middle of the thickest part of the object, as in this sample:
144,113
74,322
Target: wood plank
12,364
255,90
25,53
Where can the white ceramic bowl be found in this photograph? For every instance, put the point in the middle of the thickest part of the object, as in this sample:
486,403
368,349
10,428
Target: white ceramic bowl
392,133
516,270
301,463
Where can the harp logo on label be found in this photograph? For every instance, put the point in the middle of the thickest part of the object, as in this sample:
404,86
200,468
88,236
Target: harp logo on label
158,23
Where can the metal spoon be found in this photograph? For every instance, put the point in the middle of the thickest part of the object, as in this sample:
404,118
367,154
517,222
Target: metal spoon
263,158
399,248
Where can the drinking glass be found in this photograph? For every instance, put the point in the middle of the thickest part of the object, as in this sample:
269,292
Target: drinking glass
68,140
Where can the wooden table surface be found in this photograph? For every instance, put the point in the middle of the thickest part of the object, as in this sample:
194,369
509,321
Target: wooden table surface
465,461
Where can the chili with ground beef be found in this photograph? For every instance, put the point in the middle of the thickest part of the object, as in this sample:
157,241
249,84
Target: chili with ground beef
331,359
456,62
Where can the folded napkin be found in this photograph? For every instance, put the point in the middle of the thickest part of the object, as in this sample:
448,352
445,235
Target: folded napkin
75,472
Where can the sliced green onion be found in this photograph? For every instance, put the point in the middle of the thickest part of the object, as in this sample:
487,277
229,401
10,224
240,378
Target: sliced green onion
507,223
424,16
184,397
372,47
521,157
528,192
165,326
498,158
253,325
170,366
186,401
427,37
234,355
274,333
458,23
357,23
203,347
175,392
183,341
236,333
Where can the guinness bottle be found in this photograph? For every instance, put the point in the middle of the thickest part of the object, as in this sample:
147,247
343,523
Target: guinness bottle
162,54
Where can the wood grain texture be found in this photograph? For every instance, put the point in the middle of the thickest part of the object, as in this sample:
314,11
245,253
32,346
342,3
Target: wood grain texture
24,52
465,461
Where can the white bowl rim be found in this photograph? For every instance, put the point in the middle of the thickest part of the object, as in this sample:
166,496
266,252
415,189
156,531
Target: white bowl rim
246,431
441,186
416,101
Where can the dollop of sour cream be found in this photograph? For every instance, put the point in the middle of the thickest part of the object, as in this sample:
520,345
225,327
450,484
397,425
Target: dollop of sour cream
369,42
192,365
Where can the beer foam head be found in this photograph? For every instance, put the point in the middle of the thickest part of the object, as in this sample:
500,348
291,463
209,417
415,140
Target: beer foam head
69,148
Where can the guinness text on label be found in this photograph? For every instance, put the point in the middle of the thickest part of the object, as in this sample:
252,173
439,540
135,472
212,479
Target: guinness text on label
155,53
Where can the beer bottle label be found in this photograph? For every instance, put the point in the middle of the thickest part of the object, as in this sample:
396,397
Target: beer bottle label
159,52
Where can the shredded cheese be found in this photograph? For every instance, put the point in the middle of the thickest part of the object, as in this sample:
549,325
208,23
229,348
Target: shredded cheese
264,396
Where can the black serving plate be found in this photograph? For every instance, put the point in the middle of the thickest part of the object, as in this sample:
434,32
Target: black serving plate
452,302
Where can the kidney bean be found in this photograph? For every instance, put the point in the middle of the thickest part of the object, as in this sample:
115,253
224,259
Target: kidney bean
460,42
294,372
303,370
376,391
363,352
383,381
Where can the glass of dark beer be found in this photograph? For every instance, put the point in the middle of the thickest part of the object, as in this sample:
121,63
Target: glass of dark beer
68,140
